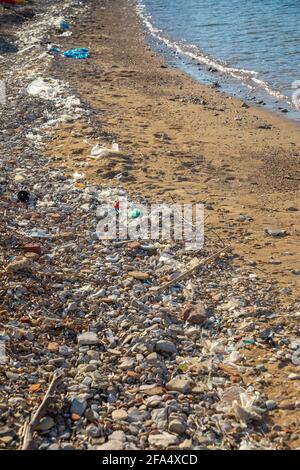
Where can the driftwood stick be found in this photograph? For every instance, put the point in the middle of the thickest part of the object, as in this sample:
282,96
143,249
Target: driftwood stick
187,273
31,426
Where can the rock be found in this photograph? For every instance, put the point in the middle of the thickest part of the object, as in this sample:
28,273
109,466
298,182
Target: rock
87,339
75,417
6,439
195,314
177,426
87,381
243,414
165,347
91,415
186,444
135,415
153,401
94,431
159,417
53,347
65,350
12,376
45,424
64,236
78,406
53,447
162,440
32,256
72,307
118,436
134,245
179,384
119,415
141,276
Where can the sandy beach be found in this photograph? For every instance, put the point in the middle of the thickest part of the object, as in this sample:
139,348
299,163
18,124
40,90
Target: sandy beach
137,373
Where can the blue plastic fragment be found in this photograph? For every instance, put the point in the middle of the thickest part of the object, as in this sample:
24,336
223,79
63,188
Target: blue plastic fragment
78,53
64,25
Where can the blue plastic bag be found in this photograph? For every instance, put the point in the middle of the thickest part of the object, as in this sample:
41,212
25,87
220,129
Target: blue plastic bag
78,53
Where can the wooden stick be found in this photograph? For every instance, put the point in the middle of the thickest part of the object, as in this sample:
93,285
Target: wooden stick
30,427
187,273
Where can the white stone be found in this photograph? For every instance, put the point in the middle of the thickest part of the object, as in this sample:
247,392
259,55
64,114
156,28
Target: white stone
87,339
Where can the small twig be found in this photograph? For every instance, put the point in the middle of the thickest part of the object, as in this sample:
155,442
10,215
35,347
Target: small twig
187,273
31,426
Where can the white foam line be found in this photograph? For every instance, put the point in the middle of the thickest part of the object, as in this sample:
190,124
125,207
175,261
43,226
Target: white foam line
249,76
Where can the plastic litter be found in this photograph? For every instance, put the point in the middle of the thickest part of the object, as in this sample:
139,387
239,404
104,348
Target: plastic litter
77,53
54,49
276,233
246,411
